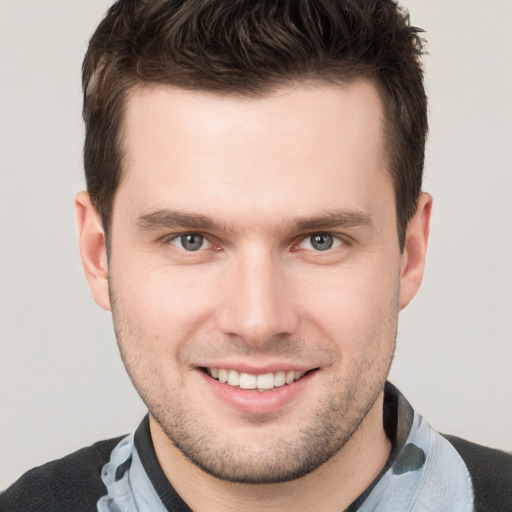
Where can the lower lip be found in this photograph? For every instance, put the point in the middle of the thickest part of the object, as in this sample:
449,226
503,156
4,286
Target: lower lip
254,401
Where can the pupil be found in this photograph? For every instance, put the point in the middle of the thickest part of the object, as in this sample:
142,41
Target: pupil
192,242
321,242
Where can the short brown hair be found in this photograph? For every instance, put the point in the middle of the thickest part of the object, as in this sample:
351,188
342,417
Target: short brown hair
252,47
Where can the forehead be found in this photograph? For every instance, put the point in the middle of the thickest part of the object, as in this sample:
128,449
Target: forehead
301,145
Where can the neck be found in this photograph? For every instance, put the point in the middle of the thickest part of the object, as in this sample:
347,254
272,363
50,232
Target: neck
332,486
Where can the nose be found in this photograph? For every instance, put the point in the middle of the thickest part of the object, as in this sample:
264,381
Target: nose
258,303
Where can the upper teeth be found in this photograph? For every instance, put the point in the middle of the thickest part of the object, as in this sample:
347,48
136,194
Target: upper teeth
250,381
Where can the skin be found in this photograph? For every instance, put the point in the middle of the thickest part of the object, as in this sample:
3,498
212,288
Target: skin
257,177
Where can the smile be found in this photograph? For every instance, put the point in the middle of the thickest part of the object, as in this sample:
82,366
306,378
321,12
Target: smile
263,382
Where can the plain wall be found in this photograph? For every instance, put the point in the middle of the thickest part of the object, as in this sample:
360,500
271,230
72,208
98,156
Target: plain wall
62,385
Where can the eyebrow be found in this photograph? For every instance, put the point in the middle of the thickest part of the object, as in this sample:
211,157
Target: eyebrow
171,219
334,219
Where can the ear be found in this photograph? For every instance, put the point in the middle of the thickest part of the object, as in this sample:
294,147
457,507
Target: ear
93,248
415,249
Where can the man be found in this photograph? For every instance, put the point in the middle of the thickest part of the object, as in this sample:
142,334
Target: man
254,220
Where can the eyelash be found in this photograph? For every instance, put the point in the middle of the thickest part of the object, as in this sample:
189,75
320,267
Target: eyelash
335,240
181,236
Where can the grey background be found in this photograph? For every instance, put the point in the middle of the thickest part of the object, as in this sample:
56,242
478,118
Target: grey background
62,385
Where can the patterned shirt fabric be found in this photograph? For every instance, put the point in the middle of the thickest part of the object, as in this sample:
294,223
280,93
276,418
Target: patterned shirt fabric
128,486
429,475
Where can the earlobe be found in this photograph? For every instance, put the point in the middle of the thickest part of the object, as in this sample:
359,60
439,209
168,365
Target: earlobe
415,249
92,249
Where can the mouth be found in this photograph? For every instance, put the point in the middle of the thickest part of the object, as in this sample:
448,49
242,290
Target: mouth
249,381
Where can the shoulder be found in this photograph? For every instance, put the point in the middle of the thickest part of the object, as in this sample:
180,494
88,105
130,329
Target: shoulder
491,474
72,483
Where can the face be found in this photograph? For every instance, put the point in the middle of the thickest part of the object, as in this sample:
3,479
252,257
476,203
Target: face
255,272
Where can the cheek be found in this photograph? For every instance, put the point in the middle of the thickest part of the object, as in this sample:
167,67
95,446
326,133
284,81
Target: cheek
164,306
353,307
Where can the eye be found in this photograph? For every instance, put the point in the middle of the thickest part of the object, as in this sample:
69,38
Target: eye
190,242
320,242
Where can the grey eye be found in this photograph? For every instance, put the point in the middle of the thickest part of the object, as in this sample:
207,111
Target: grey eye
191,242
321,241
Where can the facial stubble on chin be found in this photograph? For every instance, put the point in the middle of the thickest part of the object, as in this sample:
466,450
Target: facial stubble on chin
277,458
